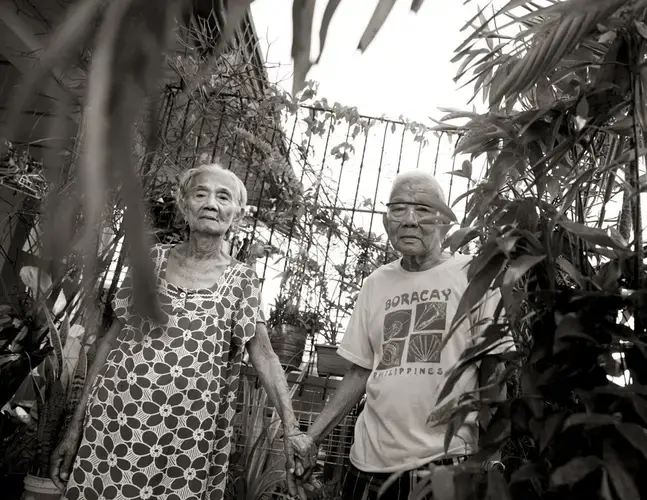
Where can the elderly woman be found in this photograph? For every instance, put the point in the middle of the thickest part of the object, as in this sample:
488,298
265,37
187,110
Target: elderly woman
155,418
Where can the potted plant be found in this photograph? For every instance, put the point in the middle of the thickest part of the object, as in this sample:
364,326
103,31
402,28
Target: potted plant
329,363
289,329
62,379
57,382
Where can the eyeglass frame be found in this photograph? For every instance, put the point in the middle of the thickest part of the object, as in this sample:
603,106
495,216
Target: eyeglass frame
435,214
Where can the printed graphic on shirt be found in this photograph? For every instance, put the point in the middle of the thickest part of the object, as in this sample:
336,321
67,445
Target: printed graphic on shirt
413,334
424,348
395,332
430,316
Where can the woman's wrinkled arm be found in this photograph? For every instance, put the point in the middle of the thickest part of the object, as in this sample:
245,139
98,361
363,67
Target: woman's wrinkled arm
63,456
272,377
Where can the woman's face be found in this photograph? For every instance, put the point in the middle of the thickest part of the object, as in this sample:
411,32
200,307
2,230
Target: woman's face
211,204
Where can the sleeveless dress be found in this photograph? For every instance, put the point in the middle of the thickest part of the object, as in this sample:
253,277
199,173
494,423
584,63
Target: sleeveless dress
159,421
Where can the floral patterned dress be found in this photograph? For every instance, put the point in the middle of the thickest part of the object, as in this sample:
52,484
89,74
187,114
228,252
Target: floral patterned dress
159,421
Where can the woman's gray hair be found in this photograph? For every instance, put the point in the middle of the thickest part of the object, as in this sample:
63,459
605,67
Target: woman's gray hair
187,176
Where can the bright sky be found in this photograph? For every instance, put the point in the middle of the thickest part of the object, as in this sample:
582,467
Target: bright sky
405,71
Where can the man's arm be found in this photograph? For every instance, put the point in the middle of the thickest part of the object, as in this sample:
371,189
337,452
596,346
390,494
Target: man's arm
272,377
349,392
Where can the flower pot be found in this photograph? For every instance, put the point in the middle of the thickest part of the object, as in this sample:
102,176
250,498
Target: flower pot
40,488
289,342
329,362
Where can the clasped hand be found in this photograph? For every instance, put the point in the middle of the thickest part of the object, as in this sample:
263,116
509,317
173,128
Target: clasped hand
300,459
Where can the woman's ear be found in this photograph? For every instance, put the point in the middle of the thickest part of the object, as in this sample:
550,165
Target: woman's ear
239,216
237,220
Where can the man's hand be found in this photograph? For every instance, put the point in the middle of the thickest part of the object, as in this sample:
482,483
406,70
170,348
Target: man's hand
300,459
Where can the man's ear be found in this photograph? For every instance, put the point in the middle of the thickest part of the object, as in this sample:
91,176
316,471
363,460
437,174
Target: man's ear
385,223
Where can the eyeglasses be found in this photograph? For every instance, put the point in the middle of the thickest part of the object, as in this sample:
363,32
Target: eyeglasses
421,213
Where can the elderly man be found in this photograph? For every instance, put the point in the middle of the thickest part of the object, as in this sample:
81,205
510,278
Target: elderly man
403,311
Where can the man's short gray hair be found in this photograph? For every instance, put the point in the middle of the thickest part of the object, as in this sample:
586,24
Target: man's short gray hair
423,181
187,176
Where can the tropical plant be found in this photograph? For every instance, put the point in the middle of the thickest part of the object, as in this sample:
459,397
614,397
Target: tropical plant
128,39
61,377
564,148
22,348
258,463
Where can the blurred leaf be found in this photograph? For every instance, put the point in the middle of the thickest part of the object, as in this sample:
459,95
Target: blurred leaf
381,12
641,28
331,7
551,427
453,426
589,419
415,5
460,238
635,435
302,13
466,167
519,267
497,487
574,470
476,290
507,243
622,482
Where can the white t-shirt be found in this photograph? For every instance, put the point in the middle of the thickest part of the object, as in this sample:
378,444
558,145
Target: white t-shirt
396,330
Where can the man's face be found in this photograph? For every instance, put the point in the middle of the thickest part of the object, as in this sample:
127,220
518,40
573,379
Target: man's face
211,206
413,222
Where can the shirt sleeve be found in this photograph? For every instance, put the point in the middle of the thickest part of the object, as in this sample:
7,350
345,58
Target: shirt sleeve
485,316
247,315
356,344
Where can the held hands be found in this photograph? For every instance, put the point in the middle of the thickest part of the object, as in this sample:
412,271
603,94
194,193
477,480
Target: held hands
301,457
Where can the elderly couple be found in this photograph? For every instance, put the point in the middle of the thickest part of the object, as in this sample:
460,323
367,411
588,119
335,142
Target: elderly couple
155,419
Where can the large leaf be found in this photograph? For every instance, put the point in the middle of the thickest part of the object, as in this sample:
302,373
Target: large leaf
519,267
497,487
623,483
559,37
460,238
573,471
635,435
302,13
592,235
381,12
476,290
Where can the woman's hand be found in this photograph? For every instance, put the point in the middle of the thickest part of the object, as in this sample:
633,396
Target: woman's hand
300,458
60,463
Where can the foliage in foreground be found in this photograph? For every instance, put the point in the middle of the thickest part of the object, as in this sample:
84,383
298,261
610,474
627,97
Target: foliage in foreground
557,221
